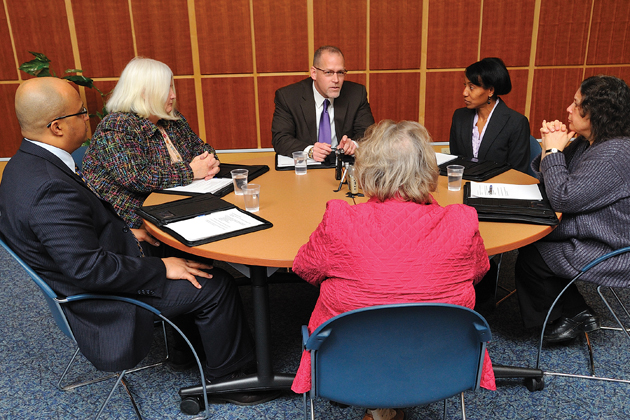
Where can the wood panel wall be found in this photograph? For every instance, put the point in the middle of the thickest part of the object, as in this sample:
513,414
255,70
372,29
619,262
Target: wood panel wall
229,56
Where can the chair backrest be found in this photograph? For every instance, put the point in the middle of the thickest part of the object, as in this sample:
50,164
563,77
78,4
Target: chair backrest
49,294
398,355
77,155
534,151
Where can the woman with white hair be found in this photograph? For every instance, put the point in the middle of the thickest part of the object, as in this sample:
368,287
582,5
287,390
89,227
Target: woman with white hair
144,144
399,247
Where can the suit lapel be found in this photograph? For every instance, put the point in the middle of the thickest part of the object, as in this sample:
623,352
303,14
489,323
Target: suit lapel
341,107
496,124
468,127
308,108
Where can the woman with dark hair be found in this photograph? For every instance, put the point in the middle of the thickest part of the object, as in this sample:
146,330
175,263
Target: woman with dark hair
486,128
588,181
401,246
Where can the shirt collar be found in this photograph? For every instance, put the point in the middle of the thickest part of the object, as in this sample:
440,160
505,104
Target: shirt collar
60,153
319,99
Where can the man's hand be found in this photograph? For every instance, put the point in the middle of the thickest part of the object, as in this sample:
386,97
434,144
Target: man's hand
143,236
180,269
348,146
204,166
320,151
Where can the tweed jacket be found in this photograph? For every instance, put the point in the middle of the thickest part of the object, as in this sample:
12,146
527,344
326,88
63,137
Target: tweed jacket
391,252
77,244
590,185
127,160
506,139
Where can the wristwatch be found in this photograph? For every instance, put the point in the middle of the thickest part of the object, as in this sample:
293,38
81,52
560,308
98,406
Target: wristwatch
553,150
310,153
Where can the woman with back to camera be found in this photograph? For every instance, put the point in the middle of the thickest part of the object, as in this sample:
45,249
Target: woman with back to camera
486,128
433,253
588,181
144,144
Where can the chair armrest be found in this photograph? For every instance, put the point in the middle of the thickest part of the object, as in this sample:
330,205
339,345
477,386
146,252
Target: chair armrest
92,296
305,335
604,258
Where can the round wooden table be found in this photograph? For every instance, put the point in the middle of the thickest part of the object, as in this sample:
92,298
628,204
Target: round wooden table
295,205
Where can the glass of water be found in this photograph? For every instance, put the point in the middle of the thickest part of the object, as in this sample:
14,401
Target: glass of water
239,177
299,160
252,197
455,174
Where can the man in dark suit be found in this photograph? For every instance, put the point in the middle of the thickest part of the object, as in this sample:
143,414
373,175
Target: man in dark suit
323,100
76,242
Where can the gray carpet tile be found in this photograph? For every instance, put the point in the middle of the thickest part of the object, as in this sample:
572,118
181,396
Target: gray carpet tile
33,354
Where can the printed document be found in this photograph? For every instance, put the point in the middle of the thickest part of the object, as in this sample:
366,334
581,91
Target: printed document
285,162
494,190
201,186
213,224
443,158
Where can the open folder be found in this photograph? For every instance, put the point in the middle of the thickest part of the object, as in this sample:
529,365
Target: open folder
202,219
475,169
511,210
221,184
285,163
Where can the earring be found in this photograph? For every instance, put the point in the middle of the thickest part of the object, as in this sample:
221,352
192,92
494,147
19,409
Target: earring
489,97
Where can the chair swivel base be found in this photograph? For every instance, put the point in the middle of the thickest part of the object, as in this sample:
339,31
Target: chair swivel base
192,397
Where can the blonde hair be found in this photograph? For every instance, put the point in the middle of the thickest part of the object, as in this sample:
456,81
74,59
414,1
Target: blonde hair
143,89
397,160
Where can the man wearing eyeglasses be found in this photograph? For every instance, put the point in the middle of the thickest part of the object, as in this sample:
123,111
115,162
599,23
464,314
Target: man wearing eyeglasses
323,112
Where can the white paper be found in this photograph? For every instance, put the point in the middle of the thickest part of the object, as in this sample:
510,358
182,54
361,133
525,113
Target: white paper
443,158
285,162
213,224
202,186
493,190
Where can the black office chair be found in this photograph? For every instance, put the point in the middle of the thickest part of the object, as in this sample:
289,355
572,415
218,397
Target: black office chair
54,303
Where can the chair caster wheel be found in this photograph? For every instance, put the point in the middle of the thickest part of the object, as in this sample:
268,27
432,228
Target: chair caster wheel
191,405
535,384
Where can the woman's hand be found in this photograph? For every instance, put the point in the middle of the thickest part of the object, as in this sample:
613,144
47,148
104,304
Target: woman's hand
181,269
143,236
554,136
204,166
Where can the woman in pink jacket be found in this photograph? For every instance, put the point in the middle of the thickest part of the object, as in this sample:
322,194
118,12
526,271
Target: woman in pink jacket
401,246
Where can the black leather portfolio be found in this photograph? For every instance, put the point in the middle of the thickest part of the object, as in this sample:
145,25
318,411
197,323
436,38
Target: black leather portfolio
224,220
225,168
324,165
475,169
537,212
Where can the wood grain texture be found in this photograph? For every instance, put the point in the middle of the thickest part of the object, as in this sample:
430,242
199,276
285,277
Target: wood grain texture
225,40
11,134
94,102
229,112
553,93
395,34
42,27
620,72
395,96
267,87
163,33
443,97
517,97
507,30
610,33
562,32
453,33
186,103
104,36
8,69
280,28
332,27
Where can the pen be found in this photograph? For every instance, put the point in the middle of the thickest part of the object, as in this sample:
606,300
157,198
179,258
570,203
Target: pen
490,190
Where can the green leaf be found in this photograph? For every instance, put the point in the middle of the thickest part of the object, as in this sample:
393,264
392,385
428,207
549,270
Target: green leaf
36,67
81,81
40,57
73,71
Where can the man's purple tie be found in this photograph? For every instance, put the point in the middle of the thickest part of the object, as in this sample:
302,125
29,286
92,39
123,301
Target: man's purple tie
324,125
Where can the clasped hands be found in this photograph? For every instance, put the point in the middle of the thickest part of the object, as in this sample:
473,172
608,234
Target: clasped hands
204,166
555,135
321,150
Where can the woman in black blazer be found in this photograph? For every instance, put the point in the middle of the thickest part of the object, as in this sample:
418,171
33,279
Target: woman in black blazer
486,128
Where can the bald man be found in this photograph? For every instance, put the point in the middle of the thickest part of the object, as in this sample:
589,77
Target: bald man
76,242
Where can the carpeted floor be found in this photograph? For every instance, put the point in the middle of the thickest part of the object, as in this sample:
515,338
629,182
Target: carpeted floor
33,353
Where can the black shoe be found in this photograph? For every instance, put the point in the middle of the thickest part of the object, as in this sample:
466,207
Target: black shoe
565,329
180,360
240,398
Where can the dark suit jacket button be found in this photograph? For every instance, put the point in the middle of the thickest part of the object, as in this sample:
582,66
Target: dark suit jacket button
125,229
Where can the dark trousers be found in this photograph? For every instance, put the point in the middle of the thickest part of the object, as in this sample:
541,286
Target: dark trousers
217,312
537,287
